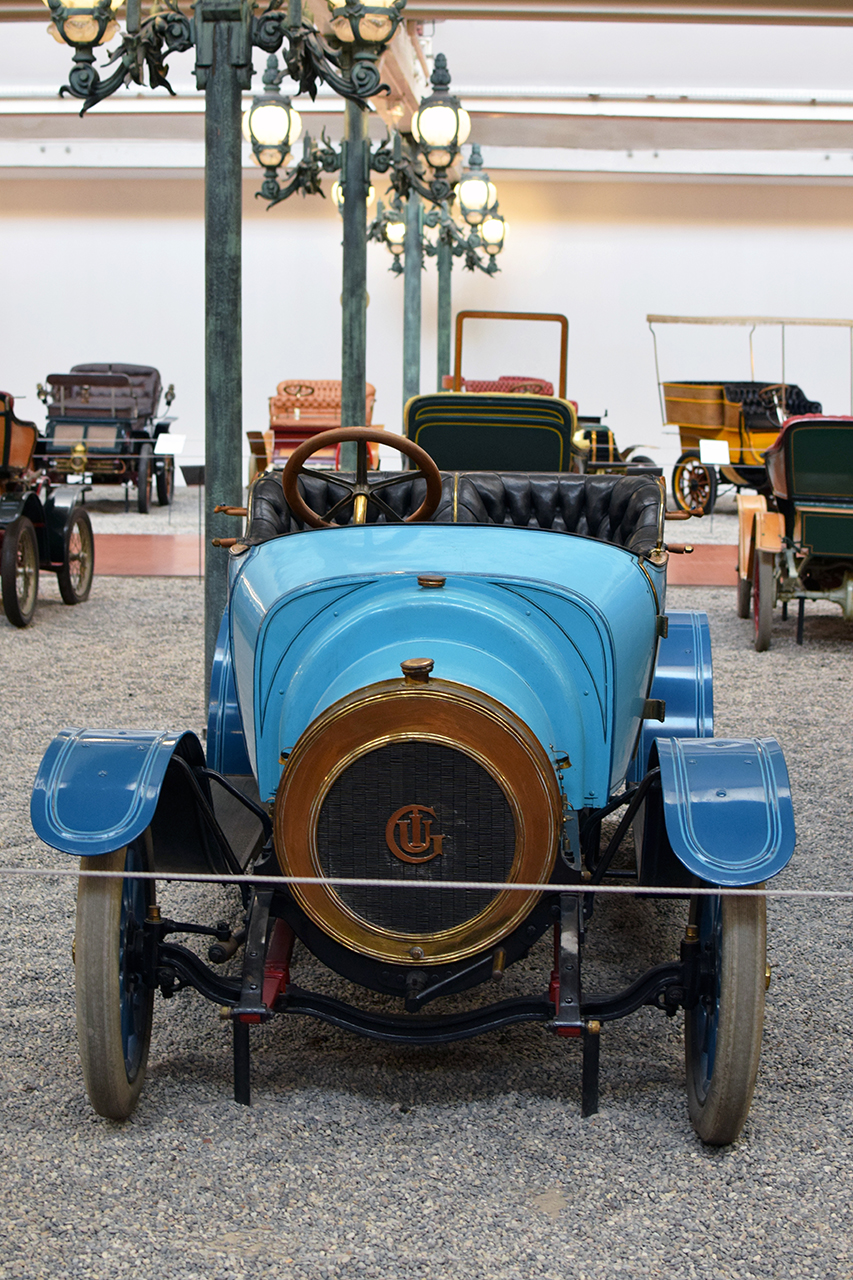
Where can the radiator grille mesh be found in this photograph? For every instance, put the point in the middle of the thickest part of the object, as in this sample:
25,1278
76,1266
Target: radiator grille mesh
472,816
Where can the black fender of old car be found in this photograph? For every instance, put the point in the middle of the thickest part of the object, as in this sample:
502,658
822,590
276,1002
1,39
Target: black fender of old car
49,515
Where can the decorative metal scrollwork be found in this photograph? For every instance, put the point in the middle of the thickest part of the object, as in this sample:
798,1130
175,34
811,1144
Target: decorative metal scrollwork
309,57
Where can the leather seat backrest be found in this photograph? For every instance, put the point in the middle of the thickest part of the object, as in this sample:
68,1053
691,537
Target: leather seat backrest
619,509
313,397
144,382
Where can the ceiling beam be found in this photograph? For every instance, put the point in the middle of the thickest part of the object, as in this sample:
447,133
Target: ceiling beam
756,12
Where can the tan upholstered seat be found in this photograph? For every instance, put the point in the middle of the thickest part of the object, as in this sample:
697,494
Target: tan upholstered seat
17,438
302,408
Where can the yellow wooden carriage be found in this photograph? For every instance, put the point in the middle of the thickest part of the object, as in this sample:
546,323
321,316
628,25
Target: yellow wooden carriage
725,427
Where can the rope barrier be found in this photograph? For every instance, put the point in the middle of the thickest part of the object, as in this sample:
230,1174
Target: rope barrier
632,890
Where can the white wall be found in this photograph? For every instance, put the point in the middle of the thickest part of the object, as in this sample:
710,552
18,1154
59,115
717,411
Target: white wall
113,270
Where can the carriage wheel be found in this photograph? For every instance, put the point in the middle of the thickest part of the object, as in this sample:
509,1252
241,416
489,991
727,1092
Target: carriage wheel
75,574
19,571
722,1033
762,599
694,484
114,1007
144,476
744,594
166,481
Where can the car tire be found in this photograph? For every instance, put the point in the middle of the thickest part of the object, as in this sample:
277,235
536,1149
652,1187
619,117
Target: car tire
166,481
722,1032
144,477
744,596
694,484
762,600
19,571
114,1007
78,565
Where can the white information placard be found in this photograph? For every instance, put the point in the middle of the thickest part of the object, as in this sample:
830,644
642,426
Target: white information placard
714,452
168,443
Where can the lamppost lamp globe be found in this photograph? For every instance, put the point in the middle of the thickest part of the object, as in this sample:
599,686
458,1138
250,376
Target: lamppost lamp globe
83,22
272,126
338,197
492,232
440,129
371,23
440,125
395,237
477,195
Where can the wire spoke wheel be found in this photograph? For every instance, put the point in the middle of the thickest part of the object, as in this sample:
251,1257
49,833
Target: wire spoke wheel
19,571
114,1006
694,484
762,600
722,1032
75,574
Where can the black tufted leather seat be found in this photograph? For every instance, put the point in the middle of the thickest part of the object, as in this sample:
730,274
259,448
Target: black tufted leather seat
757,415
618,509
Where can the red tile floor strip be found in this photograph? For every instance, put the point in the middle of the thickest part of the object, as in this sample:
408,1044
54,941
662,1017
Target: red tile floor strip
710,565
176,555
148,555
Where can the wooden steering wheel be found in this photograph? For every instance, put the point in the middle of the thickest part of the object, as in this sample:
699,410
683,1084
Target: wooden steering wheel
360,491
773,397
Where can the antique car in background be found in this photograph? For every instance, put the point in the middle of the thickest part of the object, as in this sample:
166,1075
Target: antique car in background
300,409
725,427
103,426
42,526
440,705
538,432
797,542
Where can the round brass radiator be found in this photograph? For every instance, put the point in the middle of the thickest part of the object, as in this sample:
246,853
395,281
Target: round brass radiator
417,782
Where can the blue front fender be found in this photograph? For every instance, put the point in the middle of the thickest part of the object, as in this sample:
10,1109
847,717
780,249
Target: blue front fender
727,807
684,681
97,790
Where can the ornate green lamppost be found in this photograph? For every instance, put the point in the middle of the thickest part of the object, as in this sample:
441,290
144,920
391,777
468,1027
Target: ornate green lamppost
438,129
440,126
354,161
421,172
224,33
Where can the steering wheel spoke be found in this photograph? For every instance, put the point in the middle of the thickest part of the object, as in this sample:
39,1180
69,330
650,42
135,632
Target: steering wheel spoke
399,477
390,514
328,475
341,505
361,492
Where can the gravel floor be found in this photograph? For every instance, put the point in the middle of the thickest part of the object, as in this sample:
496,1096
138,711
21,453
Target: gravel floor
362,1160
106,506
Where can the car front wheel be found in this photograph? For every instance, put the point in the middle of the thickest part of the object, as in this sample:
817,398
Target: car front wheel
166,481
75,574
114,1006
722,1032
144,477
19,571
762,599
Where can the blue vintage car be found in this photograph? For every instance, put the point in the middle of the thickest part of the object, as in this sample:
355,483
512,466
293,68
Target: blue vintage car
441,706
